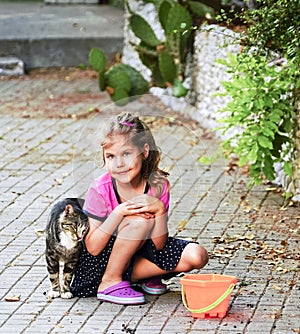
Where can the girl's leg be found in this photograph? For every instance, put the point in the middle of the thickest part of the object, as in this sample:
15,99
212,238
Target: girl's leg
132,233
193,256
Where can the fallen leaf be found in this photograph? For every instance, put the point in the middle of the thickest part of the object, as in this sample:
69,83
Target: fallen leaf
283,243
276,315
13,298
58,181
182,225
276,287
39,232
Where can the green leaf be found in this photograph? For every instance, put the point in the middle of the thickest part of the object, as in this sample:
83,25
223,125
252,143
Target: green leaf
202,10
163,13
288,168
97,59
101,80
268,132
117,78
178,89
271,125
287,125
253,153
243,160
128,78
264,142
254,129
138,84
179,20
223,62
167,66
205,160
143,30
120,96
268,170
275,116
268,101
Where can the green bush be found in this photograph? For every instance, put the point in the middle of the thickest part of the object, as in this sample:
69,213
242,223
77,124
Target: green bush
262,109
264,93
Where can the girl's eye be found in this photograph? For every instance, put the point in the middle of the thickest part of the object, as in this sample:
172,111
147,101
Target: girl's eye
109,157
126,154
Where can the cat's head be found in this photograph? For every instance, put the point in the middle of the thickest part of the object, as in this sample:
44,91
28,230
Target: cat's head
73,224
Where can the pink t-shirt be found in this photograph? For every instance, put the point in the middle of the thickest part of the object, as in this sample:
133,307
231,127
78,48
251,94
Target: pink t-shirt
101,198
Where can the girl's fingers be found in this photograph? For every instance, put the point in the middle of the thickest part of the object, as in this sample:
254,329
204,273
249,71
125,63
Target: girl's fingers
133,205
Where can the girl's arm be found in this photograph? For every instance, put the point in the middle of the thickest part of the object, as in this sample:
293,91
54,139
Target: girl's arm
160,233
100,232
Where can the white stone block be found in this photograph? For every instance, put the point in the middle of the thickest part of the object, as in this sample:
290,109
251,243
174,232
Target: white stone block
11,66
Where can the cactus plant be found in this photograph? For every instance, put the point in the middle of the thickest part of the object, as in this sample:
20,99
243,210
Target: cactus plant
165,58
143,30
121,81
97,60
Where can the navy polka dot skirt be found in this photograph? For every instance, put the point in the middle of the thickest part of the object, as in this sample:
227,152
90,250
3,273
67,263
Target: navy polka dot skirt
90,269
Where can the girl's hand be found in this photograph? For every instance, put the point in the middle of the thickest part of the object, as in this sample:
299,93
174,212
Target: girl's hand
130,208
146,204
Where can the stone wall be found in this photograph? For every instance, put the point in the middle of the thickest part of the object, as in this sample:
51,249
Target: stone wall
212,43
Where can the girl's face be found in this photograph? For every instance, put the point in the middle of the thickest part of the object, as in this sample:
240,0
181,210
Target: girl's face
123,160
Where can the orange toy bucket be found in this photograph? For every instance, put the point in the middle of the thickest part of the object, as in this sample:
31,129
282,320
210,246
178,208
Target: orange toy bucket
207,295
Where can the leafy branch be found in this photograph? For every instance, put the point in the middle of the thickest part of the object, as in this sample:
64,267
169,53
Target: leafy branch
263,93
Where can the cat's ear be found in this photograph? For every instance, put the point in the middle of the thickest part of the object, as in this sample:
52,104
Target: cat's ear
69,209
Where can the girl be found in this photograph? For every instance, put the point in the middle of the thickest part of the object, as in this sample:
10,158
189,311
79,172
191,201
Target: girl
128,208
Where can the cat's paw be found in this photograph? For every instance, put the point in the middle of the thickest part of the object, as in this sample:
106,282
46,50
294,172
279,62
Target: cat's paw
66,295
53,294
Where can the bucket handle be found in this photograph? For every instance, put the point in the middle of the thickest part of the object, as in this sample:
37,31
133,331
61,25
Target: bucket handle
211,306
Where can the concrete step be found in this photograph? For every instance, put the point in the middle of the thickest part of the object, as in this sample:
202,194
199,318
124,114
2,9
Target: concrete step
43,35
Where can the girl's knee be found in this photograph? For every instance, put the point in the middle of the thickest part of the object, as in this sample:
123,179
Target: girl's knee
135,226
137,222
195,256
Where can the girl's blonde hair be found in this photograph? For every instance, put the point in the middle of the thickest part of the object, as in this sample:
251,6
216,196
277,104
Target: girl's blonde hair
139,134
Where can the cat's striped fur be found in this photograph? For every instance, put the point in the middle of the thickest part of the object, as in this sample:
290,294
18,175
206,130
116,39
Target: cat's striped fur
66,227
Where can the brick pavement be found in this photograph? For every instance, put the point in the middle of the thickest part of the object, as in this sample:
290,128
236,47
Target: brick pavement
47,129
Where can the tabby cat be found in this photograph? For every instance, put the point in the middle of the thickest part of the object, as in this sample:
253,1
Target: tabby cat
65,230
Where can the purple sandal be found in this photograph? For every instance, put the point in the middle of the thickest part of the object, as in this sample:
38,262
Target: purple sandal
154,286
121,293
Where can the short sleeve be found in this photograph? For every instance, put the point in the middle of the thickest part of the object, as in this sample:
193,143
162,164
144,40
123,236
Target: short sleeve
95,206
165,196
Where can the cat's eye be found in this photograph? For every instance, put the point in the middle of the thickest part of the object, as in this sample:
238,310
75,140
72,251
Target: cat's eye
69,227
